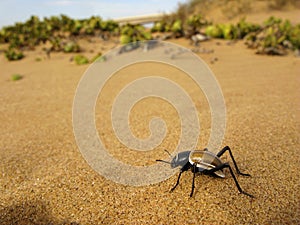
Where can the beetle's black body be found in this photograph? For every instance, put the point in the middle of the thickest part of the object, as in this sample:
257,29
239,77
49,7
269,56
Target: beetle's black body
206,162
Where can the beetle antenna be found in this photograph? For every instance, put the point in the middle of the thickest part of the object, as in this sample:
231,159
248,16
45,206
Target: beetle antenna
168,153
160,160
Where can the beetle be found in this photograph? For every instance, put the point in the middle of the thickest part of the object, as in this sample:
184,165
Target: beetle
205,162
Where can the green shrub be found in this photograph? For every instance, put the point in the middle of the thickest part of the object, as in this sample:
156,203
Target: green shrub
159,27
177,27
71,47
108,25
81,59
214,31
193,24
134,33
229,31
244,28
13,54
125,39
16,77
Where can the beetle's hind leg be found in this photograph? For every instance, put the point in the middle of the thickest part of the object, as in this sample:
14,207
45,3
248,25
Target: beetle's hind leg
226,148
226,165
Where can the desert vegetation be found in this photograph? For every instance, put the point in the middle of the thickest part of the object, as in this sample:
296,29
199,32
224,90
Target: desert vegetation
273,36
61,33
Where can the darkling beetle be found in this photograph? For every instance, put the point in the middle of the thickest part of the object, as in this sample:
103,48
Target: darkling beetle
205,162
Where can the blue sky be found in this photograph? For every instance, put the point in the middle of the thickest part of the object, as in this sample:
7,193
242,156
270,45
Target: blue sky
12,11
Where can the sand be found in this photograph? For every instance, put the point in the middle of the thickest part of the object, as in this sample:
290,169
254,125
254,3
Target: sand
45,180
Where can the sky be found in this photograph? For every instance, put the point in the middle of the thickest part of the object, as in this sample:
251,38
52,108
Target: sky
12,11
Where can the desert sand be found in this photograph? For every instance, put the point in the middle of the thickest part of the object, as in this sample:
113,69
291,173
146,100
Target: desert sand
45,180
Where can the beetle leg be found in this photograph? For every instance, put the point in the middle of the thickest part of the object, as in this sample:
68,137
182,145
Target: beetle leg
173,188
194,174
184,168
231,155
226,165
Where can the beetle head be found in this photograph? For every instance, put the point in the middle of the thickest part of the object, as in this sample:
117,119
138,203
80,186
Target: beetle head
180,159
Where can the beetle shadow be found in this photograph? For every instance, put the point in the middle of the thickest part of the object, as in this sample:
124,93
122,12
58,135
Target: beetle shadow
30,212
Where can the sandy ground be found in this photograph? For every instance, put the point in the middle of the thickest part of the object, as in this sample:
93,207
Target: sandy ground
45,180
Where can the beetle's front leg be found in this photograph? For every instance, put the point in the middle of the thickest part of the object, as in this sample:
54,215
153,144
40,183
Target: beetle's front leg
194,174
184,168
173,188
